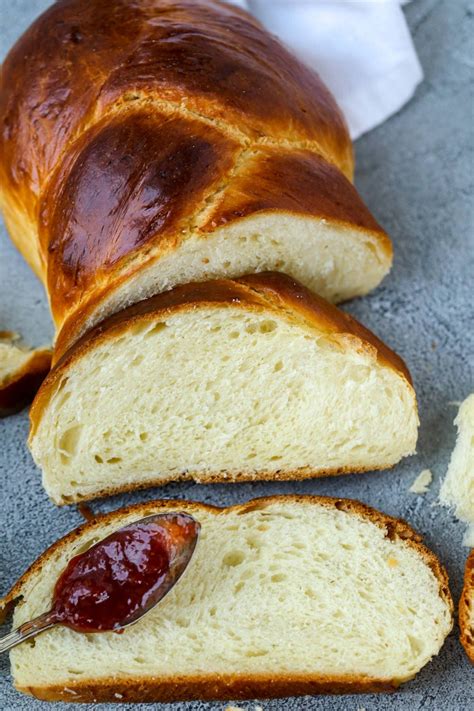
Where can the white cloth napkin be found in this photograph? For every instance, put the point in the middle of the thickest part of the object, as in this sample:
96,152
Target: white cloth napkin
362,49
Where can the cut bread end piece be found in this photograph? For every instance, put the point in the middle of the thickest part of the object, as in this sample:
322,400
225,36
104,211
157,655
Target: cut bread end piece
466,609
255,378
458,486
286,595
22,371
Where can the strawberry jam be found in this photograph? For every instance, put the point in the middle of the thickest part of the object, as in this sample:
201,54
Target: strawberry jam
118,579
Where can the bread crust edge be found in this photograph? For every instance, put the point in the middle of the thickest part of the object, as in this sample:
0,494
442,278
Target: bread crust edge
223,477
465,604
202,688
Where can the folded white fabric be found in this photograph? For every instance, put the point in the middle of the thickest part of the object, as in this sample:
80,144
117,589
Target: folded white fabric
362,49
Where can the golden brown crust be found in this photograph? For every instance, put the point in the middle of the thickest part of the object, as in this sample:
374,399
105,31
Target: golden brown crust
82,56
113,216
298,182
20,386
212,688
261,292
227,687
466,605
93,86
107,203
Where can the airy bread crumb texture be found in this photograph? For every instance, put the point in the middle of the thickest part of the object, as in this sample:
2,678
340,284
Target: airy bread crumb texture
223,393
299,587
458,487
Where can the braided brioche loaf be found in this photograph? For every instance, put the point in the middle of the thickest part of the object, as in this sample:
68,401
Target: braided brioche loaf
157,142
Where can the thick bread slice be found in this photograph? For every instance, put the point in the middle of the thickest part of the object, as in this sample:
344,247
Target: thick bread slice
21,373
285,595
226,380
466,609
458,486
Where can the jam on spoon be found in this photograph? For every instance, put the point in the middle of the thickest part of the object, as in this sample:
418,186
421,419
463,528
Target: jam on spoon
120,578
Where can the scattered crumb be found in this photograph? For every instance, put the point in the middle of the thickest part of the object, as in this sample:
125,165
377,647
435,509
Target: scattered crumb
118,696
433,345
70,691
468,539
232,708
422,482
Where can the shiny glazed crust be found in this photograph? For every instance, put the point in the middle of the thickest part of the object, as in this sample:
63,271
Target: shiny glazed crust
466,604
106,251
202,90
21,386
232,686
81,57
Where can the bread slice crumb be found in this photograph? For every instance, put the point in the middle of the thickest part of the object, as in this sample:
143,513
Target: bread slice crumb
422,482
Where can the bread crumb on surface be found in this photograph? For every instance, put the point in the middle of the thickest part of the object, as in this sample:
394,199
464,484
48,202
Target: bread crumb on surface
422,482
457,489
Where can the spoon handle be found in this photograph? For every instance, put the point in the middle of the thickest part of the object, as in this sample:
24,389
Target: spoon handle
26,630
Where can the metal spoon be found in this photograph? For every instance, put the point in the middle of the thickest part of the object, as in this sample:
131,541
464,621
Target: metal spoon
182,555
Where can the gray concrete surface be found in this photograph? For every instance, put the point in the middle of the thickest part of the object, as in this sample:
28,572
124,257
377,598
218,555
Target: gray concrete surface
416,173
